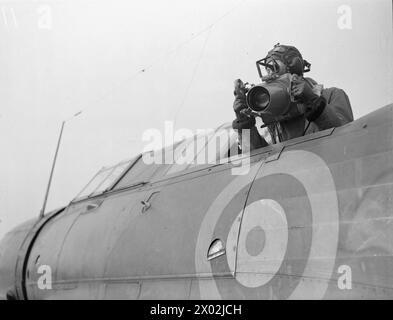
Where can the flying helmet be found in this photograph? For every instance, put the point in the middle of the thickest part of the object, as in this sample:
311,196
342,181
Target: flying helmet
283,56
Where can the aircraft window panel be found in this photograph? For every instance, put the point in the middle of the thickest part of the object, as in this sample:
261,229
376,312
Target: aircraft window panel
104,179
223,145
98,187
177,153
211,148
200,147
139,172
95,182
185,154
180,150
111,178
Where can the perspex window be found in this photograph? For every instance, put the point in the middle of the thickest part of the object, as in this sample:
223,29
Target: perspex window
104,179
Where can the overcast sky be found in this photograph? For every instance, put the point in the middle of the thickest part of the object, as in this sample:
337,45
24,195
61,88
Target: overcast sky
60,57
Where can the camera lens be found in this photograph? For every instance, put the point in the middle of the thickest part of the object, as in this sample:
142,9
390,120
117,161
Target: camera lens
262,100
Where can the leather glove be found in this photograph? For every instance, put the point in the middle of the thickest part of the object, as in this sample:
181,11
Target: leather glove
240,88
243,119
240,104
309,102
302,90
240,98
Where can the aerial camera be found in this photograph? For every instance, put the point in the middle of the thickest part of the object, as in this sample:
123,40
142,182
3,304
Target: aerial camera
272,99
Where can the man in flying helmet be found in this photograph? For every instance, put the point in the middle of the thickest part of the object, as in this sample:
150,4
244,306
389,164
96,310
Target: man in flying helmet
312,107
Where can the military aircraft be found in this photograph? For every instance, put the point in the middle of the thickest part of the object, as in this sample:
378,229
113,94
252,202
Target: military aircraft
310,219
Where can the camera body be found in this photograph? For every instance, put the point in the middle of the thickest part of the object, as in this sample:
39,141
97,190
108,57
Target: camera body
272,98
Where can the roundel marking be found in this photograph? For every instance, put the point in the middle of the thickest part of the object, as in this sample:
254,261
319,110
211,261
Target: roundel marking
268,216
255,241
316,178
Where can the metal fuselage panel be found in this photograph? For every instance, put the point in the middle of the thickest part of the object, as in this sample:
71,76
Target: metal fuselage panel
9,249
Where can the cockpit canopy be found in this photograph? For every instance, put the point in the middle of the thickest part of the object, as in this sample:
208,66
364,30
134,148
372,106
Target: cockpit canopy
198,151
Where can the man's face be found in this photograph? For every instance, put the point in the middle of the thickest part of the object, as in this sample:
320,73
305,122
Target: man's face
275,66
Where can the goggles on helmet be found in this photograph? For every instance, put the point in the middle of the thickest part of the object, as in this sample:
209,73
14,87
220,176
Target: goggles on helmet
282,59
